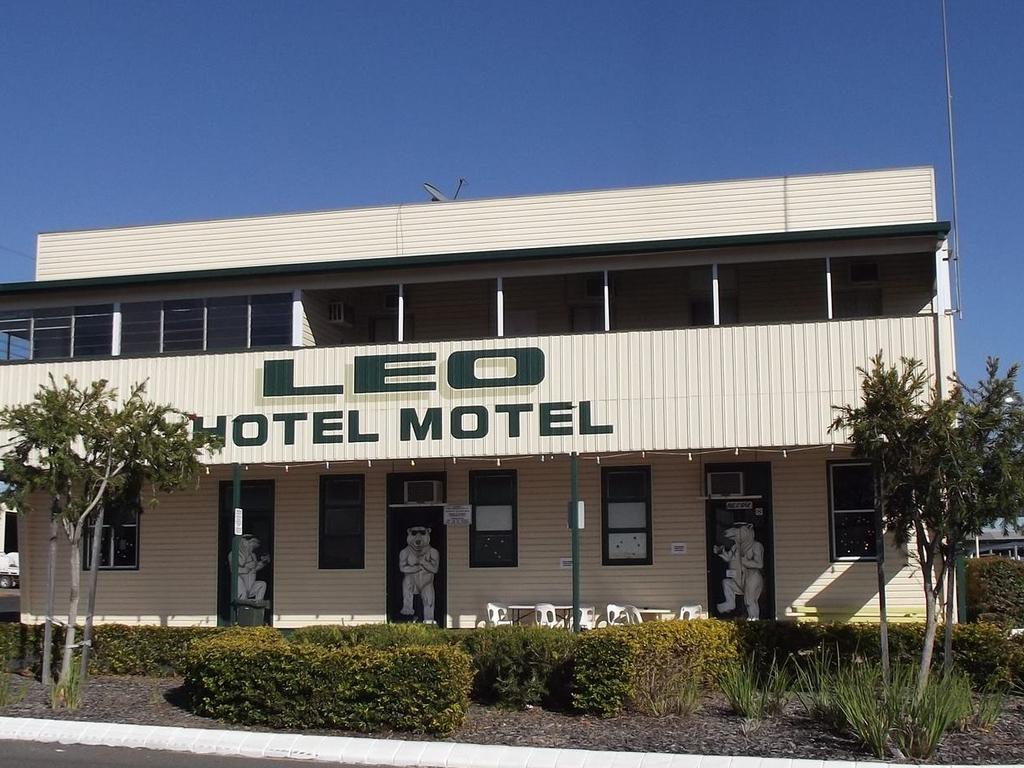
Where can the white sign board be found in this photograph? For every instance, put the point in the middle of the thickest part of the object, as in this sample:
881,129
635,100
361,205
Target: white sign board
458,515
238,521
677,548
580,509
565,562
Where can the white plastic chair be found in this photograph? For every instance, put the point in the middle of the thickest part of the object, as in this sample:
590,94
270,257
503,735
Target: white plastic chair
632,614
546,616
691,612
616,614
623,614
588,617
497,615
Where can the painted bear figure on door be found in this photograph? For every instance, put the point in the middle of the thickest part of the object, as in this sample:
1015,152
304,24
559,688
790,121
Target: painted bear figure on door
419,563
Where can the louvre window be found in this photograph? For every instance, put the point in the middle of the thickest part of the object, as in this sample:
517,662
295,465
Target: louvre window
51,333
271,320
183,325
227,323
852,511
93,331
492,533
15,335
140,328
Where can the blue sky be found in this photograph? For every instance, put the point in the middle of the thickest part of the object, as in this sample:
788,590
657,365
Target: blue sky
128,112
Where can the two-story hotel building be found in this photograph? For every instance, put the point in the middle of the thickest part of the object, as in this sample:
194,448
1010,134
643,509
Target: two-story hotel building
677,349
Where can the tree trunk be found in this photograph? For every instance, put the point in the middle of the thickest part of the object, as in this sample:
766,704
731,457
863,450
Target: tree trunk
51,573
883,615
75,561
94,563
947,640
930,628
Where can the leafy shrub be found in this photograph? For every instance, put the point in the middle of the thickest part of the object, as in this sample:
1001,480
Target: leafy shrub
981,650
372,635
815,687
254,677
120,649
667,690
754,694
521,666
612,662
995,591
945,702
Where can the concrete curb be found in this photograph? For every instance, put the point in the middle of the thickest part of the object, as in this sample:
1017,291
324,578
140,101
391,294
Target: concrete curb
360,751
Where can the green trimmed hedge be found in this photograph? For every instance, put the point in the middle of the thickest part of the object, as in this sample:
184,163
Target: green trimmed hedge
995,590
522,666
983,651
611,663
117,649
255,677
372,635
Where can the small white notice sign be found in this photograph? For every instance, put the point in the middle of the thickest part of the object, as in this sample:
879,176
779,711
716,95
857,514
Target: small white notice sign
565,562
458,515
238,521
678,548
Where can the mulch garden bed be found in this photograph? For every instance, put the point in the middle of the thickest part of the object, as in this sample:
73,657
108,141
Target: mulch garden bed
711,731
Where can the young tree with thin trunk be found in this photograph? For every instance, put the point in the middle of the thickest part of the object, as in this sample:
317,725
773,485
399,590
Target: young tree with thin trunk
83,451
948,467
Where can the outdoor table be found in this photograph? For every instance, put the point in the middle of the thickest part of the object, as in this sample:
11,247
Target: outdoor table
518,610
658,614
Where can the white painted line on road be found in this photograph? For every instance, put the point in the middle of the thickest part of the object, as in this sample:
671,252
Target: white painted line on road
360,751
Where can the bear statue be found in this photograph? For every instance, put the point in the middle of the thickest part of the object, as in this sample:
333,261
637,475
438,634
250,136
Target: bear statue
744,575
418,562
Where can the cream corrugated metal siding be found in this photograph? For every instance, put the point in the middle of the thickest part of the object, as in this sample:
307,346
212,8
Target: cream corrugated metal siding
897,196
760,385
176,580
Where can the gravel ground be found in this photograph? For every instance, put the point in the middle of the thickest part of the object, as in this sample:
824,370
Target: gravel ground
712,731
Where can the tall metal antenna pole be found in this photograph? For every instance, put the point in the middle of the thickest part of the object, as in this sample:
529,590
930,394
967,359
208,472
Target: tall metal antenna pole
955,256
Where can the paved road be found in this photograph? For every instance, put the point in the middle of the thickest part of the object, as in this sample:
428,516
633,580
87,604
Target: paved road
31,754
10,599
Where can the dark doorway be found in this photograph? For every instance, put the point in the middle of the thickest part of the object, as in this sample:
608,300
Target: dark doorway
741,572
256,551
417,573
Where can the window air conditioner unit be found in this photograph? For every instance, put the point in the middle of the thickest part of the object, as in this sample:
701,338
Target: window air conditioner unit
725,483
340,313
423,492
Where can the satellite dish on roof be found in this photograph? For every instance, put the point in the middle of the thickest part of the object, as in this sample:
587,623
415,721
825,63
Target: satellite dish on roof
437,196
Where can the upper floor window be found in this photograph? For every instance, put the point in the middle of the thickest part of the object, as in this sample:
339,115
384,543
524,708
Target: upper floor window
47,334
852,511
214,324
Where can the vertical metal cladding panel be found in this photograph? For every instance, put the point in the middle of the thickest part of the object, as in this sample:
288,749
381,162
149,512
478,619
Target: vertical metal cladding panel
748,206
726,387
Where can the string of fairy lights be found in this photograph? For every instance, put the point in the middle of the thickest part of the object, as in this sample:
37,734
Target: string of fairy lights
542,458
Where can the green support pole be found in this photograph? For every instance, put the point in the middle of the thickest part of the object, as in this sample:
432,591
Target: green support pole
574,517
236,502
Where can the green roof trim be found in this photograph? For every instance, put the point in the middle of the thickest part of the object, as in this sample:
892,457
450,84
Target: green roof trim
934,228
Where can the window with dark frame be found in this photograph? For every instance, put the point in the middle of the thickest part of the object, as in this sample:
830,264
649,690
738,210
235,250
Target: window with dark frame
626,515
852,511
342,517
119,542
493,538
